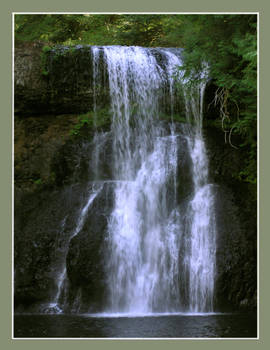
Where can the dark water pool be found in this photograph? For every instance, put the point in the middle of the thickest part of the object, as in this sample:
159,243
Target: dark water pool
176,326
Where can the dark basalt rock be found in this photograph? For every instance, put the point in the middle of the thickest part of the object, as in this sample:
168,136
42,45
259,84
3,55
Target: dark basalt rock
86,258
57,81
76,162
236,219
39,242
42,241
70,80
30,86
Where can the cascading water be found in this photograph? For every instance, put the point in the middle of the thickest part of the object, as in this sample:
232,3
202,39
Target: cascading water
145,225
147,230
201,235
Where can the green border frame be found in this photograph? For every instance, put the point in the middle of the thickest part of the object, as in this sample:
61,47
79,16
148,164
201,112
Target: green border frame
119,6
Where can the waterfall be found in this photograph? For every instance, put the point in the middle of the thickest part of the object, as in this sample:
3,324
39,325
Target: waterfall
158,257
145,225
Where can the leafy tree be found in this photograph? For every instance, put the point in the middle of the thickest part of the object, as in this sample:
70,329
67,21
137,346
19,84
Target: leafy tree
65,29
143,30
229,44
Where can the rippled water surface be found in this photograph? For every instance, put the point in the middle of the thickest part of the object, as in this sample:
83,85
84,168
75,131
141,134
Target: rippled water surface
158,326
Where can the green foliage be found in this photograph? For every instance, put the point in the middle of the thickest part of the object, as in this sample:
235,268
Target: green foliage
49,28
44,59
46,48
249,173
85,119
100,120
38,182
142,30
229,44
65,29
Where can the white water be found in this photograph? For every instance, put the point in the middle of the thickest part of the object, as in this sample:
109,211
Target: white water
93,192
201,237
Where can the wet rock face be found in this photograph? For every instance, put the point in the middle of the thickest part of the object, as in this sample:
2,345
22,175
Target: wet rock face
39,241
58,81
70,78
37,141
30,87
83,160
185,186
40,206
236,276
52,174
45,222
86,257
85,268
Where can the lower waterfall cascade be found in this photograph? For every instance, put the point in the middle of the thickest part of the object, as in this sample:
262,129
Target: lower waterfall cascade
156,201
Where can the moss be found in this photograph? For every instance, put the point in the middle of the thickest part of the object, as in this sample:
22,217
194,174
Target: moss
46,49
38,182
93,121
44,60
